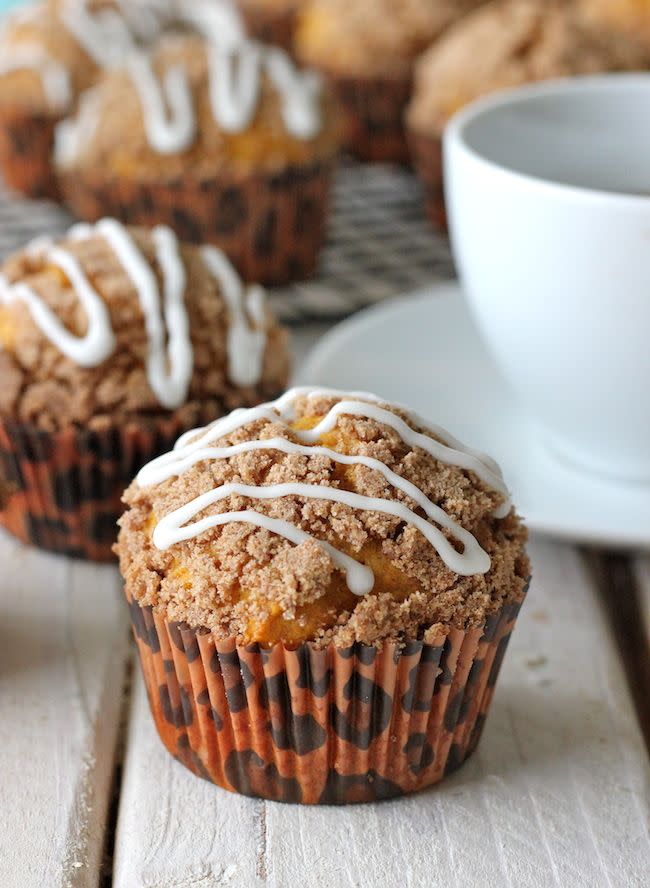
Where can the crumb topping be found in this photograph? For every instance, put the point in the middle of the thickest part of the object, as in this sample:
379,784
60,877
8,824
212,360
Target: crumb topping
508,43
243,580
40,385
372,37
116,141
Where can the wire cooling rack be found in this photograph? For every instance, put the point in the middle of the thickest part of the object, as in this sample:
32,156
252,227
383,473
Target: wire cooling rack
379,245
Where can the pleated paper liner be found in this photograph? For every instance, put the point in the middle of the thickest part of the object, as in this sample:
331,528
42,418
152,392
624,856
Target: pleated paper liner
26,142
63,489
268,25
426,155
272,227
330,726
372,110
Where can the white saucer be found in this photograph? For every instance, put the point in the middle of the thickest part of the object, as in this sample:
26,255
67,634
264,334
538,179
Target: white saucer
424,351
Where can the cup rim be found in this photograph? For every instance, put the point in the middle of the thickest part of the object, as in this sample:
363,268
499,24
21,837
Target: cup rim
456,128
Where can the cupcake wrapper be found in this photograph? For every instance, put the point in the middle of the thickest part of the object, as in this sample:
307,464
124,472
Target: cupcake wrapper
62,490
26,143
329,726
372,112
426,154
269,26
272,227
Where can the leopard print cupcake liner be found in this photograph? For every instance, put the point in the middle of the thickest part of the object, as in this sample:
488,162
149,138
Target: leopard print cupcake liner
62,490
330,726
276,27
272,227
26,143
426,154
372,111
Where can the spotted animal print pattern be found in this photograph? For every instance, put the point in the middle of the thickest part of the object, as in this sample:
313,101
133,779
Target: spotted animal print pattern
26,143
63,489
330,726
372,112
426,154
271,227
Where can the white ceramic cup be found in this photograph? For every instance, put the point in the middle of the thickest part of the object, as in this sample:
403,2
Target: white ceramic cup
548,196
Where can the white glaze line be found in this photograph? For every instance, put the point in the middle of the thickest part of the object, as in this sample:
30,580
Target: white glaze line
173,527
103,34
170,387
193,447
171,129
98,342
245,344
472,556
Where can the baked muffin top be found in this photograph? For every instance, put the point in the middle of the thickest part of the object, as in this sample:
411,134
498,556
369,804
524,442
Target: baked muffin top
115,322
372,37
326,517
631,16
51,51
509,43
200,106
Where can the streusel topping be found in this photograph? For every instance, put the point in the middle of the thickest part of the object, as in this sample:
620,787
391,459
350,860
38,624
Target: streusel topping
326,517
366,37
508,43
93,356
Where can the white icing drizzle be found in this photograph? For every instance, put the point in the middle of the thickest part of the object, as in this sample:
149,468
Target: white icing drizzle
33,57
245,344
170,358
103,35
74,132
170,129
97,343
172,324
217,20
234,69
194,447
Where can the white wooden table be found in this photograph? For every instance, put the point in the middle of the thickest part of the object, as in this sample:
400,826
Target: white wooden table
558,793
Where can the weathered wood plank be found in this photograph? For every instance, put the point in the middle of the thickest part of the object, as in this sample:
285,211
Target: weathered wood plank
63,649
557,794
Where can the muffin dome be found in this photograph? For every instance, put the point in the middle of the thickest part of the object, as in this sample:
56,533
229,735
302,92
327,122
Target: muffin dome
112,324
49,53
508,43
362,37
224,142
324,517
366,49
268,117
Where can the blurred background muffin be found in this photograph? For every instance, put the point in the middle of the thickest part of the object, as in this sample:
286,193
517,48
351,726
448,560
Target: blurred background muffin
243,160
271,21
49,53
366,49
112,342
504,44
629,16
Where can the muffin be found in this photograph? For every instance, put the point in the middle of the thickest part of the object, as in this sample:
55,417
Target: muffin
629,16
322,591
366,49
49,53
242,163
505,44
112,342
271,21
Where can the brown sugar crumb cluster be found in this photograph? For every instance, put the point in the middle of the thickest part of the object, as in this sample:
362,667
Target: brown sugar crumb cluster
117,141
241,580
511,42
41,386
366,36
